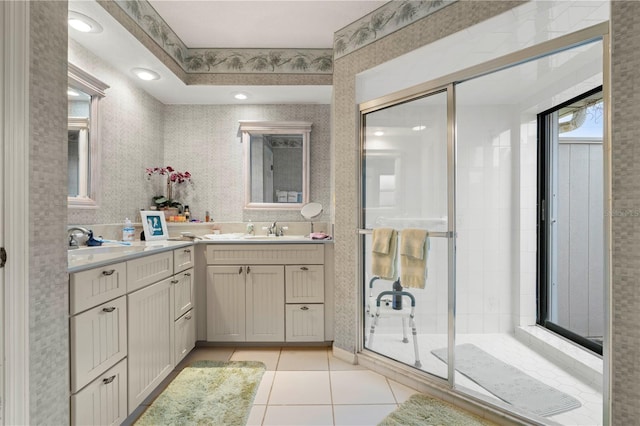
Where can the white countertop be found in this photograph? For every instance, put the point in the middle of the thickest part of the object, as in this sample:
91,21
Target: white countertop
91,257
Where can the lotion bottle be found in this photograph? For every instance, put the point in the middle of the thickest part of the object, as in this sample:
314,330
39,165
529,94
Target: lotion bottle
128,232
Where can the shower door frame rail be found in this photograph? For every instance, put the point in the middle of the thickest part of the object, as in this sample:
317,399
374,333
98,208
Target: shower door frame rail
450,234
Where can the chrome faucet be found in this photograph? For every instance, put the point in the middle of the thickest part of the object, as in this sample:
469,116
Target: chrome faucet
273,229
71,232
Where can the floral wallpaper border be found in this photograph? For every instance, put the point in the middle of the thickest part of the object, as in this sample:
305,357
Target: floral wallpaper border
233,61
390,17
381,22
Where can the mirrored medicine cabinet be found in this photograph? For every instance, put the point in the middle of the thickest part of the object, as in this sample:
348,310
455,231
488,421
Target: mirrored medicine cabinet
84,93
276,164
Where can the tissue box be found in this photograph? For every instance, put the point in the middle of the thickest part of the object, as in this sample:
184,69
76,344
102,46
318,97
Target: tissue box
292,197
281,196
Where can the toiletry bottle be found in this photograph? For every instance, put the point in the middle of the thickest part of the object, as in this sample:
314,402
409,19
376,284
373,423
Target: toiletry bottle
187,215
207,217
128,232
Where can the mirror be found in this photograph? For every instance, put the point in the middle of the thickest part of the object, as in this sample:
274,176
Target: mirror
84,92
276,164
311,211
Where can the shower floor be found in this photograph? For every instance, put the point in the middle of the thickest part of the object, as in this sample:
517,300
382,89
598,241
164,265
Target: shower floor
510,350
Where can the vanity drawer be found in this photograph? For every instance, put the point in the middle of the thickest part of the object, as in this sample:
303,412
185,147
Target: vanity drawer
148,270
304,283
305,322
95,286
183,291
103,401
265,254
98,341
185,335
183,258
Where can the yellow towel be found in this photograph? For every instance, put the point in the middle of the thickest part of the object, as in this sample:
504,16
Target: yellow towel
382,240
413,257
383,264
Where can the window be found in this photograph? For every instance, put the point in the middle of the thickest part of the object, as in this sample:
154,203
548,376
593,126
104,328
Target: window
84,94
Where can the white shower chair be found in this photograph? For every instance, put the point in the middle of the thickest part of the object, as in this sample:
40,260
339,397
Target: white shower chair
384,305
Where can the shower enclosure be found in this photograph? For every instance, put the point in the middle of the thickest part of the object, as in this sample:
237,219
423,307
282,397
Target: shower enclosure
458,157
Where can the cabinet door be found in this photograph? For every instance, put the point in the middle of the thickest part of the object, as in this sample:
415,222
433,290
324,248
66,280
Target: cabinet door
98,341
183,258
183,293
103,401
305,283
265,303
305,323
185,327
226,303
148,270
150,339
95,286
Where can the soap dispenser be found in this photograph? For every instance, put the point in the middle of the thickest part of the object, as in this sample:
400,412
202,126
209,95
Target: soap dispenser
128,232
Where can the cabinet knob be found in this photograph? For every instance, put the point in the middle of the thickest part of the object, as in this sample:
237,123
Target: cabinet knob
109,309
187,274
240,270
109,272
175,281
108,380
304,308
187,250
304,268
187,317
248,269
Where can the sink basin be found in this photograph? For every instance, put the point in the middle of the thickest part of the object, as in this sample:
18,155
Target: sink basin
274,238
87,251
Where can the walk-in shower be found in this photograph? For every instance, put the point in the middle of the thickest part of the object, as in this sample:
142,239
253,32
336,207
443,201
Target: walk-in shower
458,157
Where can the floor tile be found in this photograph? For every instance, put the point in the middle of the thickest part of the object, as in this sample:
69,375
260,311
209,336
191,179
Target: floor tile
256,415
264,390
360,387
400,391
356,415
300,415
269,356
207,353
296,359
300,388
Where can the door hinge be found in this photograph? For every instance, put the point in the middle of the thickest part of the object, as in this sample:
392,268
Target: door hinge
3,257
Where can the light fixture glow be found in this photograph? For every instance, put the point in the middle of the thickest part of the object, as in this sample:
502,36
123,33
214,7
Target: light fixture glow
418,128
145,74
241,96
72,92
378,133
83,23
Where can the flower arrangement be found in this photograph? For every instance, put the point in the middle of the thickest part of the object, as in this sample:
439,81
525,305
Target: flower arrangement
173,176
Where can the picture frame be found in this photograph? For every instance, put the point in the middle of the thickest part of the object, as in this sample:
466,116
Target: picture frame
154,225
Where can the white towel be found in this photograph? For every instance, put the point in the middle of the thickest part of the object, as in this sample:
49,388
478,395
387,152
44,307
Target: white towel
383,253
413,257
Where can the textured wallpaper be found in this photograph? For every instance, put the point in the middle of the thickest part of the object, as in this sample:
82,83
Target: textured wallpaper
204,140
48,279
625,296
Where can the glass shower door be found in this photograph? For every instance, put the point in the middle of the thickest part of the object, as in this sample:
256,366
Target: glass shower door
405,186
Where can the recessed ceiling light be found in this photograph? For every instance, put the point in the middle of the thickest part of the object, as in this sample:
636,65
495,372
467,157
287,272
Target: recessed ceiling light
83,23
418,128
145,74
72,92
241,96
378,133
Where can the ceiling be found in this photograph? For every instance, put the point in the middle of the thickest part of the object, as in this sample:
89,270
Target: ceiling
224,24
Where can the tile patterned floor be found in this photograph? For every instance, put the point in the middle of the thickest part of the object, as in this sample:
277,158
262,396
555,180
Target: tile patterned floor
308,386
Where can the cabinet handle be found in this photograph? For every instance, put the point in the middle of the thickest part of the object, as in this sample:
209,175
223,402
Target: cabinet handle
108,380
304,268
109,272
175,281
187,274
187,317
187,250
304,308
240,270
109,309
248,269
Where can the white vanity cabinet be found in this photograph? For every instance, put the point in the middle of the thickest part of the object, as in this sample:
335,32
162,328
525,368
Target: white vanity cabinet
249,288
98,345
305,303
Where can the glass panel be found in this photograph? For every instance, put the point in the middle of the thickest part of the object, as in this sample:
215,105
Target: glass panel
405,186
496,225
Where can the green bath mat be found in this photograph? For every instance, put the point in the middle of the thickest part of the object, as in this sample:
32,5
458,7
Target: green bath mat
207,393
423,410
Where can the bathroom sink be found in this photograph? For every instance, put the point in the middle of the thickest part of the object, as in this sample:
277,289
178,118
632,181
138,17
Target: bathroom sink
274,238
87,251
